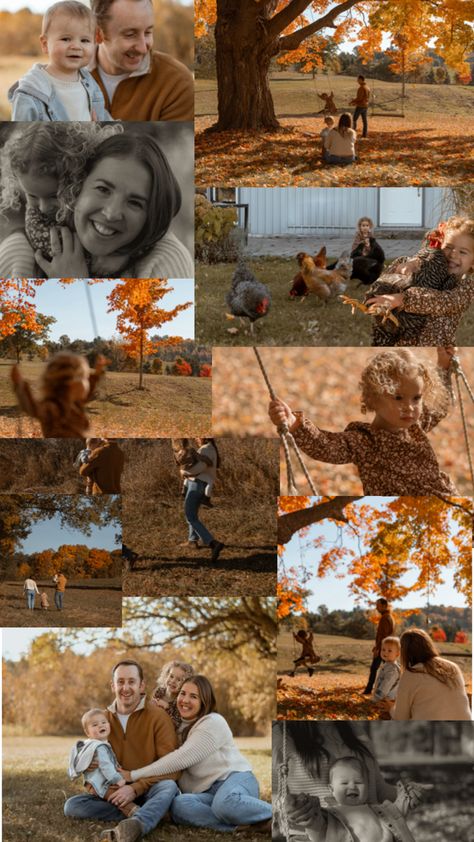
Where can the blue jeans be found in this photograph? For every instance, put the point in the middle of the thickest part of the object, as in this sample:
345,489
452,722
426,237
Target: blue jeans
192,501
30,599
360,112
224,806
58,599
153,806
337,159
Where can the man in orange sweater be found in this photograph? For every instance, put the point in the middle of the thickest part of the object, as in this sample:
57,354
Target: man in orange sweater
137,82
140,733
361,103
385,628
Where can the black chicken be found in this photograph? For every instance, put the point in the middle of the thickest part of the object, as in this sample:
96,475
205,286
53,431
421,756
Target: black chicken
248,298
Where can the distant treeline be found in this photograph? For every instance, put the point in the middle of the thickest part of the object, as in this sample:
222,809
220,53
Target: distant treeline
356,623
74,560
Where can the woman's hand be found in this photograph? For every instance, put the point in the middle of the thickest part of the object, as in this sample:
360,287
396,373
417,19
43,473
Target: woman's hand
68,258
410,793
388,301
302,809
127,776
280,414
445,355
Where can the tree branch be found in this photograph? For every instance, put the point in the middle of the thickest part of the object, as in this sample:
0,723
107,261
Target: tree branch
293,521
287,15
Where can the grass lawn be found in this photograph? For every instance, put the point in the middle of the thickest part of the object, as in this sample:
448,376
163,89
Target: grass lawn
91,604
307,321
167,406
35,777
156,530
334,691
431,145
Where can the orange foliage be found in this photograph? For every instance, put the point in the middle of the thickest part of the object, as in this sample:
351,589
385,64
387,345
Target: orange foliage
205,370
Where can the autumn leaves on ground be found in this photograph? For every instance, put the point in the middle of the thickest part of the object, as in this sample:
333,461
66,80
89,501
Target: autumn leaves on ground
334,691
243,517
426,147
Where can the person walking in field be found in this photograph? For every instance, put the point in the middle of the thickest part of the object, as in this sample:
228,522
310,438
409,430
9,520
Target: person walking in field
385,628
308,655
60,581
361,103
30,588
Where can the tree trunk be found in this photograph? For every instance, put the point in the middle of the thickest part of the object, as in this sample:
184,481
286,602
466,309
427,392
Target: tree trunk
243,55
140,378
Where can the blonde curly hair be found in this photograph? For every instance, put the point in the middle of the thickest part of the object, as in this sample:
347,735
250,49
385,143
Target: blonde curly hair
56,149
461,225
166,669
63,369
382,375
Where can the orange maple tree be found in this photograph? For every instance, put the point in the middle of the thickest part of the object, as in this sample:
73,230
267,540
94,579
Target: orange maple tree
137,304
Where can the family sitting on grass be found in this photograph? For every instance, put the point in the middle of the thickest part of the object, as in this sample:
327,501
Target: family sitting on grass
338,143
409,679
142,759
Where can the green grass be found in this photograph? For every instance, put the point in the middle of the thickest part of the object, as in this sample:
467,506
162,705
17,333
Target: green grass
299,322
35,786
167,406
295,95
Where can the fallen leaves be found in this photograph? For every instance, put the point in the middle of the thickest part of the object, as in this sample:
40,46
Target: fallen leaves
305,697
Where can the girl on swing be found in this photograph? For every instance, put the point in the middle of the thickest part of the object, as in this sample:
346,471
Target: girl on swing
308,655
393,455
67,385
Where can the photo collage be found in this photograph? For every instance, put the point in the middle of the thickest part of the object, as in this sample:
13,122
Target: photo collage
236,420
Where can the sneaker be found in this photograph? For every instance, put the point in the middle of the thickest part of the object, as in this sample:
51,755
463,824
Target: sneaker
217,548
189,544
207,502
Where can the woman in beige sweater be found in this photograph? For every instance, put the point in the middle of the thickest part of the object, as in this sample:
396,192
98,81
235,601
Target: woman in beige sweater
339,144
430,686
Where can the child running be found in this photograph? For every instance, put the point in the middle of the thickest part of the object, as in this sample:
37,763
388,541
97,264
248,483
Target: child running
168,685
104,779
349,816
443,308
62,89
67,385
308,655
393,455
40,165
388,675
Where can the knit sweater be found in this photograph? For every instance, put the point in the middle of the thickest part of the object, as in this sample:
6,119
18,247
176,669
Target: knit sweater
17,259
423,697
167,259
150,734
161,89
208,754
389,463
343,145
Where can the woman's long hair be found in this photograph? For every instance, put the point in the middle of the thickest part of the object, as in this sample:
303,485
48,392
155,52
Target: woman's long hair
345,122
206,695
308,740
416,647
165,195
212,441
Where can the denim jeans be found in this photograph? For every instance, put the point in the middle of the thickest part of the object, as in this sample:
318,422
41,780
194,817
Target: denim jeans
376,661
360,112
337,159
58,599
192,501
224,806
30,598
153,806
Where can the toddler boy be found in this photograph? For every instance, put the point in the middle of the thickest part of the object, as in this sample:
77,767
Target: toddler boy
388,674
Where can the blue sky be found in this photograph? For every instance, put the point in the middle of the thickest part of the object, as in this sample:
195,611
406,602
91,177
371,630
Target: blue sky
69,306
333,591
46,534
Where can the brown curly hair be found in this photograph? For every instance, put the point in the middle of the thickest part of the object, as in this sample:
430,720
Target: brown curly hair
382,375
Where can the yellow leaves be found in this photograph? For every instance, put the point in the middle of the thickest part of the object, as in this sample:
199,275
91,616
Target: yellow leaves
293,504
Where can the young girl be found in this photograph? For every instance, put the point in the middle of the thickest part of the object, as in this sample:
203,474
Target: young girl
443,309
308,655
339,145
363,233
168,685
219,788
392,453
67,385
38,163
123,203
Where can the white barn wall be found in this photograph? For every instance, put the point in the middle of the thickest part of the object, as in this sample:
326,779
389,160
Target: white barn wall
325,211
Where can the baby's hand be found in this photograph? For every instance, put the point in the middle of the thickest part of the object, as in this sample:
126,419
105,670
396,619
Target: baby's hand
302,809
280,413
445,355
160,703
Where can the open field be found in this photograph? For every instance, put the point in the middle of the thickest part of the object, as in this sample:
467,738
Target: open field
429,146
167,406
97,602
290,321
34,775
334,691
323,383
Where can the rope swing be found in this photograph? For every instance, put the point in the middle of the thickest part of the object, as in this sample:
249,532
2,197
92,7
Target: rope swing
283,787
287,441
461,378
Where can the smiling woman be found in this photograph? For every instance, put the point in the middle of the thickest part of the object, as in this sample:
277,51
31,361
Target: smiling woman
106,212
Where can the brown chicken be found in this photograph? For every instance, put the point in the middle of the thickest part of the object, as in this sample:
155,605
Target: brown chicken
298,286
